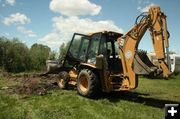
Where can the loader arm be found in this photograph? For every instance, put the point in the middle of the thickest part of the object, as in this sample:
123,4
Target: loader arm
155,22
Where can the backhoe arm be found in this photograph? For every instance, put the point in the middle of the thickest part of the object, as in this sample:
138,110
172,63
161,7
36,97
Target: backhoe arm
159,34
155,21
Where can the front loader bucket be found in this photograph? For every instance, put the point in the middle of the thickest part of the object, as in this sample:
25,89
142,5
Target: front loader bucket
52,67
142,64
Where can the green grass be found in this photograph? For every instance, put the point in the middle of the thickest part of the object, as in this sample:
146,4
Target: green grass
2,78
146,102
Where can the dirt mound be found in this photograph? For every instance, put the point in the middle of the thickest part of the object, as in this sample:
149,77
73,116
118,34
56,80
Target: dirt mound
4,73
34,84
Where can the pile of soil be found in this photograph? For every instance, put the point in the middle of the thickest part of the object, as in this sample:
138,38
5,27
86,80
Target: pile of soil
4,74
33,84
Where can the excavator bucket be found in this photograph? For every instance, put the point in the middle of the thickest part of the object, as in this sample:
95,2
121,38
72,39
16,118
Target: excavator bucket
142,64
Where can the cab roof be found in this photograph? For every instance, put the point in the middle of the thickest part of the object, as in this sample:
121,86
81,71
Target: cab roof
106,32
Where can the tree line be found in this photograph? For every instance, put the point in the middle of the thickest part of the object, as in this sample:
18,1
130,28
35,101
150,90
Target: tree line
15,56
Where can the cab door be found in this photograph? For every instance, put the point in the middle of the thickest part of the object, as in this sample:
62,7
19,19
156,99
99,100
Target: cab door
77,51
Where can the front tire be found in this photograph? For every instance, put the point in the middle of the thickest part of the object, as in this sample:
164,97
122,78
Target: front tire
88,84
63,79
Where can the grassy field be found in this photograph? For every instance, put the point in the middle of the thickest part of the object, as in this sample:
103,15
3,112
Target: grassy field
146,102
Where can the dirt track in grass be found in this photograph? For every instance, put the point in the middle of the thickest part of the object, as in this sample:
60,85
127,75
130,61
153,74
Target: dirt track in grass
29,83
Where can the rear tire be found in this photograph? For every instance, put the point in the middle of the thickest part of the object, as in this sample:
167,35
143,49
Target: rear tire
63,79
88,84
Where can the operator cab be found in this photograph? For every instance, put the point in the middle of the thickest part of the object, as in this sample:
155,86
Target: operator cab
85,48
110,50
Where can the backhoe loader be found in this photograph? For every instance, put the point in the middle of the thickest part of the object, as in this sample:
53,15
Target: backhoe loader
109,61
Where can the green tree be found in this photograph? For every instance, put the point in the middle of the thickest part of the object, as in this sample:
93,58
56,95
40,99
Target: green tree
62,50
52,55
15,55
39,54
4,43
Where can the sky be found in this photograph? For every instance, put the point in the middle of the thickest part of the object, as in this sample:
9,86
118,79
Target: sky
53,22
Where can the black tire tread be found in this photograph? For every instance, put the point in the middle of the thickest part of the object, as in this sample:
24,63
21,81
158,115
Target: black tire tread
94,88
65,76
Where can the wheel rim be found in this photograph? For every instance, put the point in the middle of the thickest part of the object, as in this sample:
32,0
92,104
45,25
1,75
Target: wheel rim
61,82
83,84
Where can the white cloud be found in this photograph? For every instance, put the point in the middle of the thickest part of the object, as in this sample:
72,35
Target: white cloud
19,19
75,24
65,27
52,39
146,8
16,18
28,32
74,7
10,2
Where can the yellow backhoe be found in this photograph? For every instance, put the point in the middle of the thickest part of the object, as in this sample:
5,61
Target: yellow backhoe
108,61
